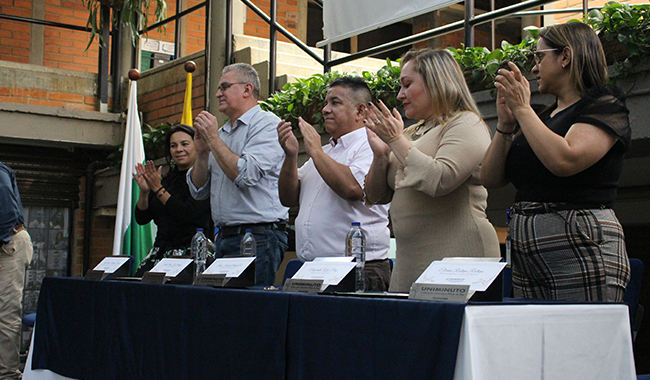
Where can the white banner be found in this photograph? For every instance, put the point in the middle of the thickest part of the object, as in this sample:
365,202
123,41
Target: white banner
347,18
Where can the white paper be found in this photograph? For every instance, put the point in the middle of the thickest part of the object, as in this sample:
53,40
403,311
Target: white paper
478,275
170,266
111,264
340,259
230,266
331,272
473,259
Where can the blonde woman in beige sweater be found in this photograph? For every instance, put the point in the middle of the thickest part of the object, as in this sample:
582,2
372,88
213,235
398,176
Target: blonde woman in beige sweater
430,172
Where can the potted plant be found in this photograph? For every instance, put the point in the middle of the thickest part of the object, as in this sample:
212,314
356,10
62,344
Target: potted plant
153,139
624,31
133,14
627,25
303,98
480,65
385,84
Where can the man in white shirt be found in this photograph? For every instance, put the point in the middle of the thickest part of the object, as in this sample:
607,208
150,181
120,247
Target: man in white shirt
329,187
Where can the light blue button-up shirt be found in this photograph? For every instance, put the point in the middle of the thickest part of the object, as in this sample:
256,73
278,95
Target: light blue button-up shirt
253,196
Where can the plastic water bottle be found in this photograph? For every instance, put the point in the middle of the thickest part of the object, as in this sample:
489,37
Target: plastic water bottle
248,246
355,245
199,252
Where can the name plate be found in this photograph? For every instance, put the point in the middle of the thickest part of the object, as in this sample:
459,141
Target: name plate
214,279
329,272
171,267
436,292
111,264
154,277
230,266
96,275
477,274
302,286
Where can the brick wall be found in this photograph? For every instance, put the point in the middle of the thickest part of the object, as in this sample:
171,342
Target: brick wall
195,27
165,105
39,97
15,36
287,16
64,48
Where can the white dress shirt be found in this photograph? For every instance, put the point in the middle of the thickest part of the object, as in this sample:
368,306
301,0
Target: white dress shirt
324,218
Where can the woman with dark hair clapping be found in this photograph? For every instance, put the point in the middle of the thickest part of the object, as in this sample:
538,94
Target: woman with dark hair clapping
565,163
167,200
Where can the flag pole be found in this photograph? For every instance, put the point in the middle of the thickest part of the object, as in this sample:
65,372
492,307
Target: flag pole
187,118
131,238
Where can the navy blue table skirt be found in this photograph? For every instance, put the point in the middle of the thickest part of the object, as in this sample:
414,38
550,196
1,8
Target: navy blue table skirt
125,330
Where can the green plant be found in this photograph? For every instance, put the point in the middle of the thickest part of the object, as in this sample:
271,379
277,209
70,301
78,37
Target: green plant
627,24
303,98
480,65
385,84
153,139
133,14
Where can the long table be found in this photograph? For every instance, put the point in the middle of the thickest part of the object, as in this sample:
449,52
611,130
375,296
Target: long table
123,330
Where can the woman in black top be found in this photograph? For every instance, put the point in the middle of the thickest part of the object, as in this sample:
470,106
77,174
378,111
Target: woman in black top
565,163
167,200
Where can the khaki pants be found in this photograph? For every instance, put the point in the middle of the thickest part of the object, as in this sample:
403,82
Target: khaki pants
14,258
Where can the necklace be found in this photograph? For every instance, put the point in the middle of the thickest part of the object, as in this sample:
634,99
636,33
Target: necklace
420,129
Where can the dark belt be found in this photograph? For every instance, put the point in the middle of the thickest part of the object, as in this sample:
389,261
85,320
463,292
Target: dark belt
17,229
548,207
258,228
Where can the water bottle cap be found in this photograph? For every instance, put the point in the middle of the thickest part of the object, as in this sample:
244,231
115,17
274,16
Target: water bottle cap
199,229
249,230
356,223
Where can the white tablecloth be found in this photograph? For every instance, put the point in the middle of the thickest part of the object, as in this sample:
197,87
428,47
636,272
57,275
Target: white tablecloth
535,342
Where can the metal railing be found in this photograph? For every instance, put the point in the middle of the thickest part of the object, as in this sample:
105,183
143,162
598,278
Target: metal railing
468,23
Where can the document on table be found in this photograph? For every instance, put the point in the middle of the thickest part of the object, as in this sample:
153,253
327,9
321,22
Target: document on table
477,274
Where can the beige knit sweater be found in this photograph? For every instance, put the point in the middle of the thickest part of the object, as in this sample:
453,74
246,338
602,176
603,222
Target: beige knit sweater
438,205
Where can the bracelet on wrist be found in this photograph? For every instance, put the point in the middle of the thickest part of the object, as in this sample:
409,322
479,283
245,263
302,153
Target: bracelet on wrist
157,191
509,136
161,194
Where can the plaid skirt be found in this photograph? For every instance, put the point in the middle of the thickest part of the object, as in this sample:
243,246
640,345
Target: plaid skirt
576,255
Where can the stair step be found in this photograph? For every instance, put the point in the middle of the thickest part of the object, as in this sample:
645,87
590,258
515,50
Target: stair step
254,50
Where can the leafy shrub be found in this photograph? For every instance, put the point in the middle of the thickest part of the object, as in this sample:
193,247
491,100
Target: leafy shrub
626,24
303,98
480,65
153,139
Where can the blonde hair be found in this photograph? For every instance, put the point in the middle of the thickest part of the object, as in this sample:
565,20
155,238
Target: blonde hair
588,64
444,82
